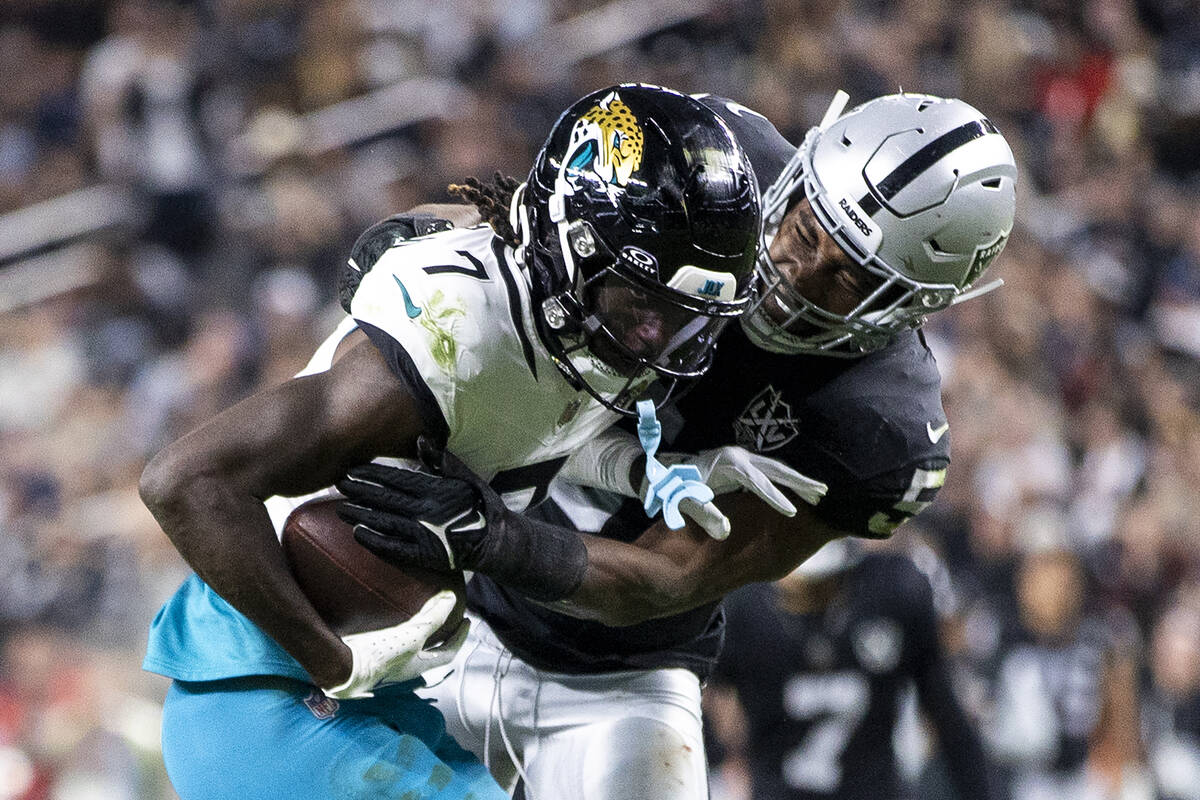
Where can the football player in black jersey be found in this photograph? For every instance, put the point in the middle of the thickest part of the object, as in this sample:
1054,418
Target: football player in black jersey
883,215
820,662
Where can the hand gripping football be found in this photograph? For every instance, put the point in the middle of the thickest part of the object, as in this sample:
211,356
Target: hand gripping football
353,589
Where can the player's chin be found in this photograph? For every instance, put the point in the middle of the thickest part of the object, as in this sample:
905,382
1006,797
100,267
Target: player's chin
620,359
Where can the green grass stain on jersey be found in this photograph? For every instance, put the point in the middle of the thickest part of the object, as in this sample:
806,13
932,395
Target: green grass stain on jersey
438,320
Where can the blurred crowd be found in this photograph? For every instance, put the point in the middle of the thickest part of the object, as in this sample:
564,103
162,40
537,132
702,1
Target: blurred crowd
181,179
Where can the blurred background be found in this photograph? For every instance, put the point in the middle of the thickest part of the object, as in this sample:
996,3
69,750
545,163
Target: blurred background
180,182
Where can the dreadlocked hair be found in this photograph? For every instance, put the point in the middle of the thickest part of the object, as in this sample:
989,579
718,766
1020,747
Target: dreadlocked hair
493,200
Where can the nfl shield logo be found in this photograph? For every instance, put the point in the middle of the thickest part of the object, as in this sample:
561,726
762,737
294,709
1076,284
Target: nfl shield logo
322,707
767,423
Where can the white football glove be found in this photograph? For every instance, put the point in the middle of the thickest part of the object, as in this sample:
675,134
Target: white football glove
604,462
730,469
397,654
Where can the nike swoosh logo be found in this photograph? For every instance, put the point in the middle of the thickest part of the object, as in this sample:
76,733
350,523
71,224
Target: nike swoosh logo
476,524
936,434
410,309
739,110
456,525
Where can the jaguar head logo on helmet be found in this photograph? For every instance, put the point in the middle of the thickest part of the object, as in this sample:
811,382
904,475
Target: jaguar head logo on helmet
639,224
917,191
607,139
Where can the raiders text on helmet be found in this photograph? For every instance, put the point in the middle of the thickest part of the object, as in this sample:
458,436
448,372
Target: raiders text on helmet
641,223
917,189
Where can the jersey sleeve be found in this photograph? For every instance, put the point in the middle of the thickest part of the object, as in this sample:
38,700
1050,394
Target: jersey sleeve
877,435
873,508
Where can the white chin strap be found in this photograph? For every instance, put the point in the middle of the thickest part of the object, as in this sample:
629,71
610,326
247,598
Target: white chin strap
557,211
518,219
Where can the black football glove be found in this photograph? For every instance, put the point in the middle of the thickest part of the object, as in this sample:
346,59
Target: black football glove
450,519
435,521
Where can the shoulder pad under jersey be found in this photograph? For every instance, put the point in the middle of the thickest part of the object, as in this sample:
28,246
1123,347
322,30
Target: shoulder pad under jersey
768,150
376,239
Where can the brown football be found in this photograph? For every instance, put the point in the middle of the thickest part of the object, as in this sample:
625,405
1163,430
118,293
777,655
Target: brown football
353,589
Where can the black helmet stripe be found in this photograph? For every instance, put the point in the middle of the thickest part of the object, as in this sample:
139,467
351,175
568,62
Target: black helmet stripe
912,167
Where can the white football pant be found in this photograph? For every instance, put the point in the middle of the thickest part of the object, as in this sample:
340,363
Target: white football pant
631,735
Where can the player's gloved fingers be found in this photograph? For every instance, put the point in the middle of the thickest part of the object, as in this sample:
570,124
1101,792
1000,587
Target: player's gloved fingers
443,653
391,549
775,470
809,489
400,479
707,516
433,614
392,655
736,469
683,490
348,691
766,491
441,501
372,495
452,467
445,499
381,522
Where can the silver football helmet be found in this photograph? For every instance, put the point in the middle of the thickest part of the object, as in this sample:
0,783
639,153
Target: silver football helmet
918,190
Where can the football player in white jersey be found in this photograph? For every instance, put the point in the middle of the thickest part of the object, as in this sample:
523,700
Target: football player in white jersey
883,215
510,354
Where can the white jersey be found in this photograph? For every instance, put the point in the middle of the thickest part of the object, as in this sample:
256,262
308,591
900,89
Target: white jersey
452,314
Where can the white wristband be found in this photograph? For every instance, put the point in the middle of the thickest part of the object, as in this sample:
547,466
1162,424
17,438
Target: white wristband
604,462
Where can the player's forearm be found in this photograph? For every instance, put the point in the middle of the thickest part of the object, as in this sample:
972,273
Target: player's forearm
206,491
226,536
625,585
667,572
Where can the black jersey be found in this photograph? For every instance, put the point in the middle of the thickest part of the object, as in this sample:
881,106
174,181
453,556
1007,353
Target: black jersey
871,428
822,690
863,426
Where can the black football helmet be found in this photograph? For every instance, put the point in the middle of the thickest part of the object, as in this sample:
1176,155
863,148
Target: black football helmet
639,221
